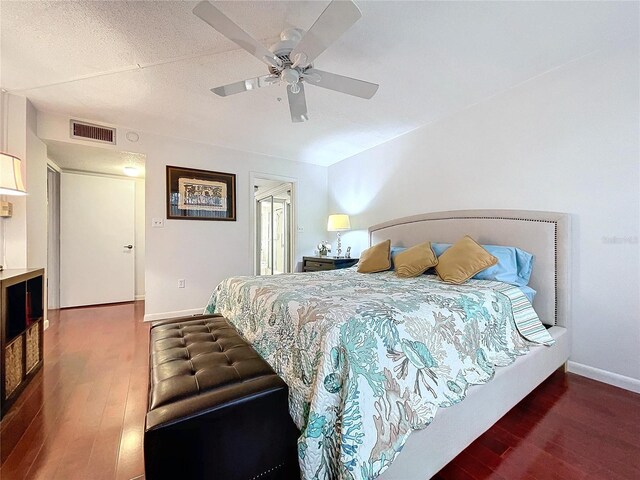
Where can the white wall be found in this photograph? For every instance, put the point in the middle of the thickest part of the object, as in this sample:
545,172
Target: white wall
25,233
15,228
204,252
566,141
139,237
36,184
23,237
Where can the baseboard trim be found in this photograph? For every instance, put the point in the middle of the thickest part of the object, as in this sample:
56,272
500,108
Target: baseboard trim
152,317
46,324
139,297
605,376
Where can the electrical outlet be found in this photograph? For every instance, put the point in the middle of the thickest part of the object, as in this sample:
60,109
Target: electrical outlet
300,229
157,222
181,283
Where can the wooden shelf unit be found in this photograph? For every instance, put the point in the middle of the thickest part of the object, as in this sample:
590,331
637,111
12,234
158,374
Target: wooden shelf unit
22,330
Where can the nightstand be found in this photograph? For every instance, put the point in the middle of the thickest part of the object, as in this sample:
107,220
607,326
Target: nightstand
317,264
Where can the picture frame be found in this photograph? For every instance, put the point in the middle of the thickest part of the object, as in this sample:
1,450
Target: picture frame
194,194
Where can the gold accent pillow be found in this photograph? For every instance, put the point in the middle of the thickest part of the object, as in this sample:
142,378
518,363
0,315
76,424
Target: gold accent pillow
463,260
376,258
415,261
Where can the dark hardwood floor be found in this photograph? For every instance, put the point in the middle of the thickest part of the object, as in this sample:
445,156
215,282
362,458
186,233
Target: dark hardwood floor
90,399
89,403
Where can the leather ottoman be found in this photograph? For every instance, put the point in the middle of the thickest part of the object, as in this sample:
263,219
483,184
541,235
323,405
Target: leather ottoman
216,409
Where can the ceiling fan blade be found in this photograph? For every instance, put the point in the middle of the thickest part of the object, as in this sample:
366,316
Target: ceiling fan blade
339,83
223,24
297,104
330,25
244,85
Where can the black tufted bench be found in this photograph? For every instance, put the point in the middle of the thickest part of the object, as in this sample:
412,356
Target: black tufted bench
216,409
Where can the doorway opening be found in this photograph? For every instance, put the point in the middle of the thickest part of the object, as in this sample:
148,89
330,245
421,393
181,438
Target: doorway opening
273,226
96,225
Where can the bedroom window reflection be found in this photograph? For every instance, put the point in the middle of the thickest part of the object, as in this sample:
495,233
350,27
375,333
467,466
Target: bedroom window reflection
273,228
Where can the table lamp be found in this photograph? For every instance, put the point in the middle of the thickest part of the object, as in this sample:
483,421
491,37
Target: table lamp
10,176
338,223
10,184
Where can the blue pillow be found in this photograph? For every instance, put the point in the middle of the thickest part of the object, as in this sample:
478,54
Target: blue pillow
514,265
528,292
394,252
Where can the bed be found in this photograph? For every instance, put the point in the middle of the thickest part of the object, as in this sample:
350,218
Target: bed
350,346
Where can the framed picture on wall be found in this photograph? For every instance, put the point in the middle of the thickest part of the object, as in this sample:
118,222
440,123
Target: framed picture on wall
200,194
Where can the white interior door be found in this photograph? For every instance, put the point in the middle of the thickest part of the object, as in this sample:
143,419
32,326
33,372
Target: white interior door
96,231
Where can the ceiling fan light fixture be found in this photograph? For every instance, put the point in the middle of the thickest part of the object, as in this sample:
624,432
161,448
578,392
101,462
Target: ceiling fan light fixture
290,75
290,60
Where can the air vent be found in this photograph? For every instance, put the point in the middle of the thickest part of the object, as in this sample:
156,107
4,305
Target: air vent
96,133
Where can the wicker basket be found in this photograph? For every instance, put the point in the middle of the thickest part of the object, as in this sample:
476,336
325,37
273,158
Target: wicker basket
33,347
13,366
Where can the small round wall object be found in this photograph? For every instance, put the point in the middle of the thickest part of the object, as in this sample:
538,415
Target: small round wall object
132,136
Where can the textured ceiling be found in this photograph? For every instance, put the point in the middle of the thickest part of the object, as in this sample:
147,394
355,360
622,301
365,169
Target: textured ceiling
150,65
83,158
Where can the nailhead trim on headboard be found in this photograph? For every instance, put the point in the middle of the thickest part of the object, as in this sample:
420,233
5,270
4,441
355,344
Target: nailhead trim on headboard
555,242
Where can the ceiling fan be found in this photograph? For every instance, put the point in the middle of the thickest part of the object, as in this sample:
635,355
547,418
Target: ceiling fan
290,60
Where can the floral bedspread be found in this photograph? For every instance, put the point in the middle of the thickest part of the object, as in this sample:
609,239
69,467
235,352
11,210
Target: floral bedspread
370,357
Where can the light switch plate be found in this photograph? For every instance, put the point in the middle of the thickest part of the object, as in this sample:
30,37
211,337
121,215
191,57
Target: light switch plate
157,222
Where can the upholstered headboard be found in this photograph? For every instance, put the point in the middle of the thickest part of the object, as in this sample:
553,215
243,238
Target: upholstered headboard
544,234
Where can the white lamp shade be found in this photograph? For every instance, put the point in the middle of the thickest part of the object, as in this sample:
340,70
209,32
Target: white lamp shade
338,222
11,176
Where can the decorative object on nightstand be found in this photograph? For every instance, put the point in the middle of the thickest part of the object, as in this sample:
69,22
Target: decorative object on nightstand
348,253
317,264
338,223
324,248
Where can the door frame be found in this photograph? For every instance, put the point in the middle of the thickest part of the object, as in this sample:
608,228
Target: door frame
273,194
53,237
253,254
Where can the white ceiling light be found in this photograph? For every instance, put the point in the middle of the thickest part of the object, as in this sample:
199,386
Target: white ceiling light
131,171
132,136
